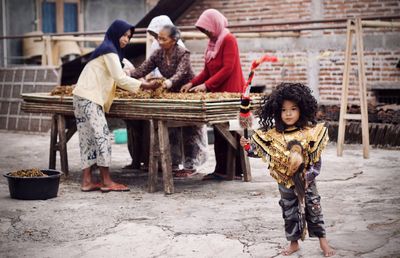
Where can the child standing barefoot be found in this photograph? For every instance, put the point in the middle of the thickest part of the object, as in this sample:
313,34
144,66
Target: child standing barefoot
291,142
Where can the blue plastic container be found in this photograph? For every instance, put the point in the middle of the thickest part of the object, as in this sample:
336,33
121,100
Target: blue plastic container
120,136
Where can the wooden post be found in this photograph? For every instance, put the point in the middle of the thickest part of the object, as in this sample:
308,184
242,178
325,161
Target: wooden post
60,16
245,163
234,148
53,143
62,129
165,157
149,41
354,26
385,24
227,135
362,88
62,144
153,157
231,163
345,88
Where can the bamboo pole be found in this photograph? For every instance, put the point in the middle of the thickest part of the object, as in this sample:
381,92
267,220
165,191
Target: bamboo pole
381,24
345,88
199,35
357,29
362,88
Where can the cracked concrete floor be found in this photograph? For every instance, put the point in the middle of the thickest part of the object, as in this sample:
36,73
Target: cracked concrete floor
360,200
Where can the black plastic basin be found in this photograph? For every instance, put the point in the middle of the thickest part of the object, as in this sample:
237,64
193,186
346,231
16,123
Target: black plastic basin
34,188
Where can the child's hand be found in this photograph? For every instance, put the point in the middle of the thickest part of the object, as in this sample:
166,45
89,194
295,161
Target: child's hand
295,160
244,141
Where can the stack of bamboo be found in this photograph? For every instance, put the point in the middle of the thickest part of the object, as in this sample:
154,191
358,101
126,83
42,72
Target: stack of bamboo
209,108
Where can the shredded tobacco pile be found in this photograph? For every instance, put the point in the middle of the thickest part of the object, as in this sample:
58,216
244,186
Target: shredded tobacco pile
159,93
65,90
34,172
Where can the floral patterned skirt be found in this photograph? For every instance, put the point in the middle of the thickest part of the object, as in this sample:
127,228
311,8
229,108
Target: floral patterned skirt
94,135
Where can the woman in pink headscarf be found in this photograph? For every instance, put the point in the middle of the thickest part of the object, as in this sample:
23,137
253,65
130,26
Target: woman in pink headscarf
222,73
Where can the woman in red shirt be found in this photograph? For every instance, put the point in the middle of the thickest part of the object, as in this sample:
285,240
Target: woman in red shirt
222,73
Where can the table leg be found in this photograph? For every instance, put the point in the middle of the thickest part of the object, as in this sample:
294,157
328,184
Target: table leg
62,144
153,157
165,156
53,143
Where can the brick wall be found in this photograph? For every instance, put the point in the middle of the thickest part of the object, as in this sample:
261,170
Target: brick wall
380,70
292,69
237,11
380,57
348,8
17,80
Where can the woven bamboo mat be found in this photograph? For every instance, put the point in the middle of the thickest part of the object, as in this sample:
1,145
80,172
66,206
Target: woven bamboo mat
203,111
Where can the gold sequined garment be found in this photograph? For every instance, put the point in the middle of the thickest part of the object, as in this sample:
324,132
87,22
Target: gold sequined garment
271,146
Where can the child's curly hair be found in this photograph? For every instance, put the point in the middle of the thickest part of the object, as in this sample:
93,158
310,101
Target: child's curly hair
271,106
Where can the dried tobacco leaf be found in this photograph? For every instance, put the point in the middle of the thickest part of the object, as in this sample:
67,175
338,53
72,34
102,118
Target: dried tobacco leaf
33,172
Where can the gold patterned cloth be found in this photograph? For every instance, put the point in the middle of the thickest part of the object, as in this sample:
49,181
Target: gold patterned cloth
271,146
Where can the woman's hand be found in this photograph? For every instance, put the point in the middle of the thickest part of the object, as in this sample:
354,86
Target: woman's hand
199,88
186,87
244,141
150,85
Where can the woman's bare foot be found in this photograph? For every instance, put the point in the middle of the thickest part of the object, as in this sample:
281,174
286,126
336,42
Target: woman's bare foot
113,186
292,248
88,187
328,251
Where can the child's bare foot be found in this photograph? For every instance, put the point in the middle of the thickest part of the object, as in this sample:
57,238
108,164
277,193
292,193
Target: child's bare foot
328,251
292,248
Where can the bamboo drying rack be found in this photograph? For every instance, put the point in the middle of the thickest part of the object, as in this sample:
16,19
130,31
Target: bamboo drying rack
161,114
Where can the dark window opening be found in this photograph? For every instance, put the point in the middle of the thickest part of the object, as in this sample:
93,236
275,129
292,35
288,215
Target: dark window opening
388,96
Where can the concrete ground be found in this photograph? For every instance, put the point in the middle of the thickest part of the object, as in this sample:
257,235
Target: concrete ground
360,200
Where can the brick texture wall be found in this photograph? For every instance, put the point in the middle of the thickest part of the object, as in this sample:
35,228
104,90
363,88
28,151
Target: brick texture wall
380,60
18,80
237,11
349,8
293,68
380,70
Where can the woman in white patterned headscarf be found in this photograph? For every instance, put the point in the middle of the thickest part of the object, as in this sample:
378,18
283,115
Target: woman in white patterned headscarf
154,28
193,138
188,144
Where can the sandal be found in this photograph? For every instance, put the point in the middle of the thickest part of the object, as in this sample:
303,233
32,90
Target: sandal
240,178
213,176
184,172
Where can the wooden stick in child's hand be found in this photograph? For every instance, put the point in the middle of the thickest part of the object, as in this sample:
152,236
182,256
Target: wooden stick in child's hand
245,143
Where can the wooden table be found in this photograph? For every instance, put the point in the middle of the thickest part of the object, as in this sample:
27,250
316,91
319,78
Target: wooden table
161,114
